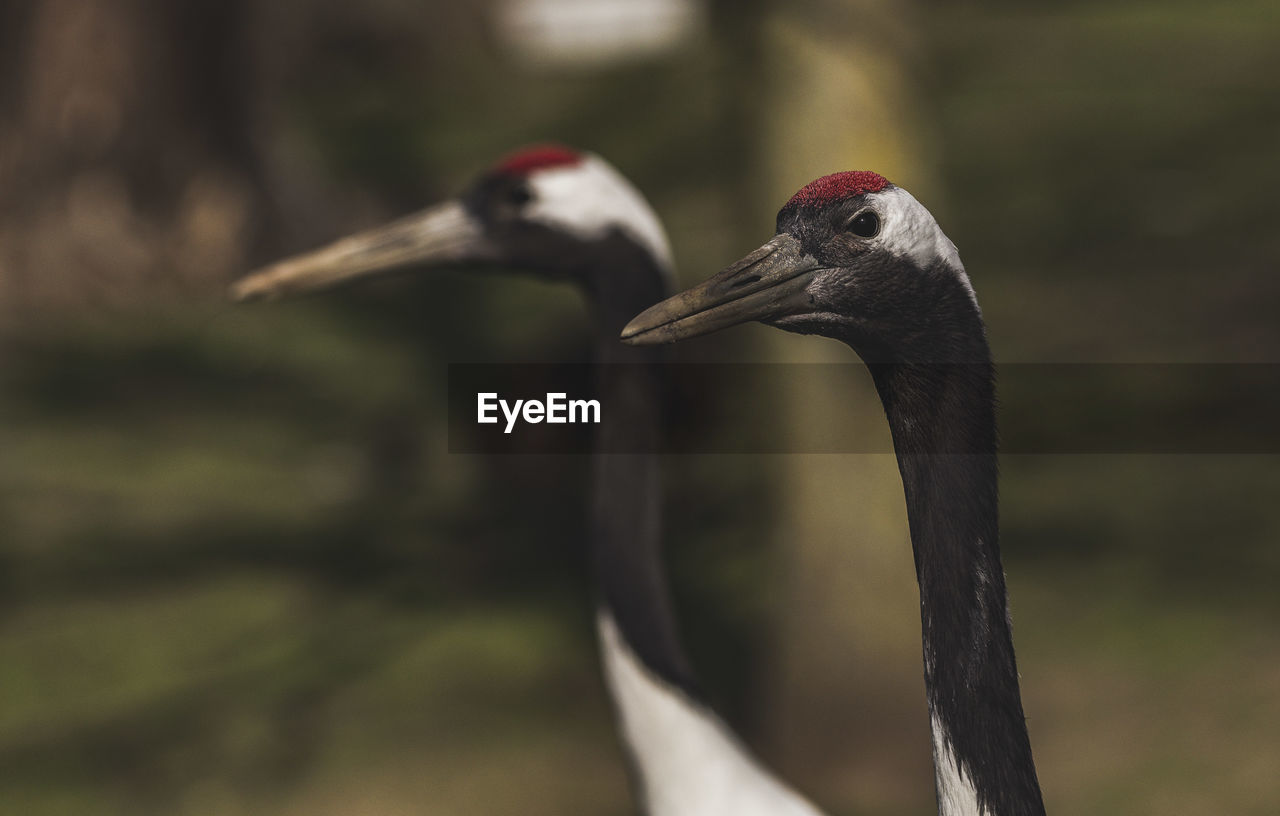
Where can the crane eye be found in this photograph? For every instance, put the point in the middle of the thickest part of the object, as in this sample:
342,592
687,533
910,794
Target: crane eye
865,224
519,195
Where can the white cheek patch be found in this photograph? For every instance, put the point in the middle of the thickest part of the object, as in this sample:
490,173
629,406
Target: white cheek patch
908,230
589,199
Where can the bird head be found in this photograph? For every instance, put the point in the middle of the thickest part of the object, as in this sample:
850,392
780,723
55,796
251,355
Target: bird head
854,257
545,210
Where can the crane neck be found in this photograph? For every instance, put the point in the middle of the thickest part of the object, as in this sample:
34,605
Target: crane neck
626,502
685,760
943,422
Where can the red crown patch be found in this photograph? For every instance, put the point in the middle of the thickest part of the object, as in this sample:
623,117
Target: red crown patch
838,186
537,157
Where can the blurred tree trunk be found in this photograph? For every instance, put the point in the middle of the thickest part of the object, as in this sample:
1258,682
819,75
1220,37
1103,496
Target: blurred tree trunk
127,167
846,699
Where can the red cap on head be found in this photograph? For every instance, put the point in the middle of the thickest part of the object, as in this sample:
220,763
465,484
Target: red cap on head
536,157
838,186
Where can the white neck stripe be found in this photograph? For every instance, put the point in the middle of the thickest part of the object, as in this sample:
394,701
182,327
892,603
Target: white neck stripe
688,762
956,794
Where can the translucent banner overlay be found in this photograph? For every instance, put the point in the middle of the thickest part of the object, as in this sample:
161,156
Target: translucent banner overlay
1085,408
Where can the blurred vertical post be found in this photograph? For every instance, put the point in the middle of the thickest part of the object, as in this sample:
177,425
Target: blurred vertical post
846,703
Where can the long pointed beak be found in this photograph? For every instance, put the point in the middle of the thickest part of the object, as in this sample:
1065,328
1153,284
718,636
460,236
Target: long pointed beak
768,283
442,235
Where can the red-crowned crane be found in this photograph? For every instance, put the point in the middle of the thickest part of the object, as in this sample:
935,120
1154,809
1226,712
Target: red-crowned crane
560,214
860,260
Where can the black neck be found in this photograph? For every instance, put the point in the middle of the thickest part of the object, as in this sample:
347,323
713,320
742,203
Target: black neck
942,417
626,508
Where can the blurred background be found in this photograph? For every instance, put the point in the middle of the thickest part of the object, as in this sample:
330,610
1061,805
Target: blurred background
240,572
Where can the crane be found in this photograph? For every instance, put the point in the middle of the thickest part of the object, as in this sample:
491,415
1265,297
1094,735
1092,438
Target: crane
562,214
860,260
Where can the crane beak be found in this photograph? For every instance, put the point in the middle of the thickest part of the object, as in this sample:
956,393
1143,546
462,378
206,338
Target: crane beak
443,235
767,283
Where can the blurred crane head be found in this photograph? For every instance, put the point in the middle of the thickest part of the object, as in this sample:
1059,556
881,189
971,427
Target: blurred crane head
545,210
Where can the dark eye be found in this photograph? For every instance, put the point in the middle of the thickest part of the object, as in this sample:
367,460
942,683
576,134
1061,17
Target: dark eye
519,195
865,224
